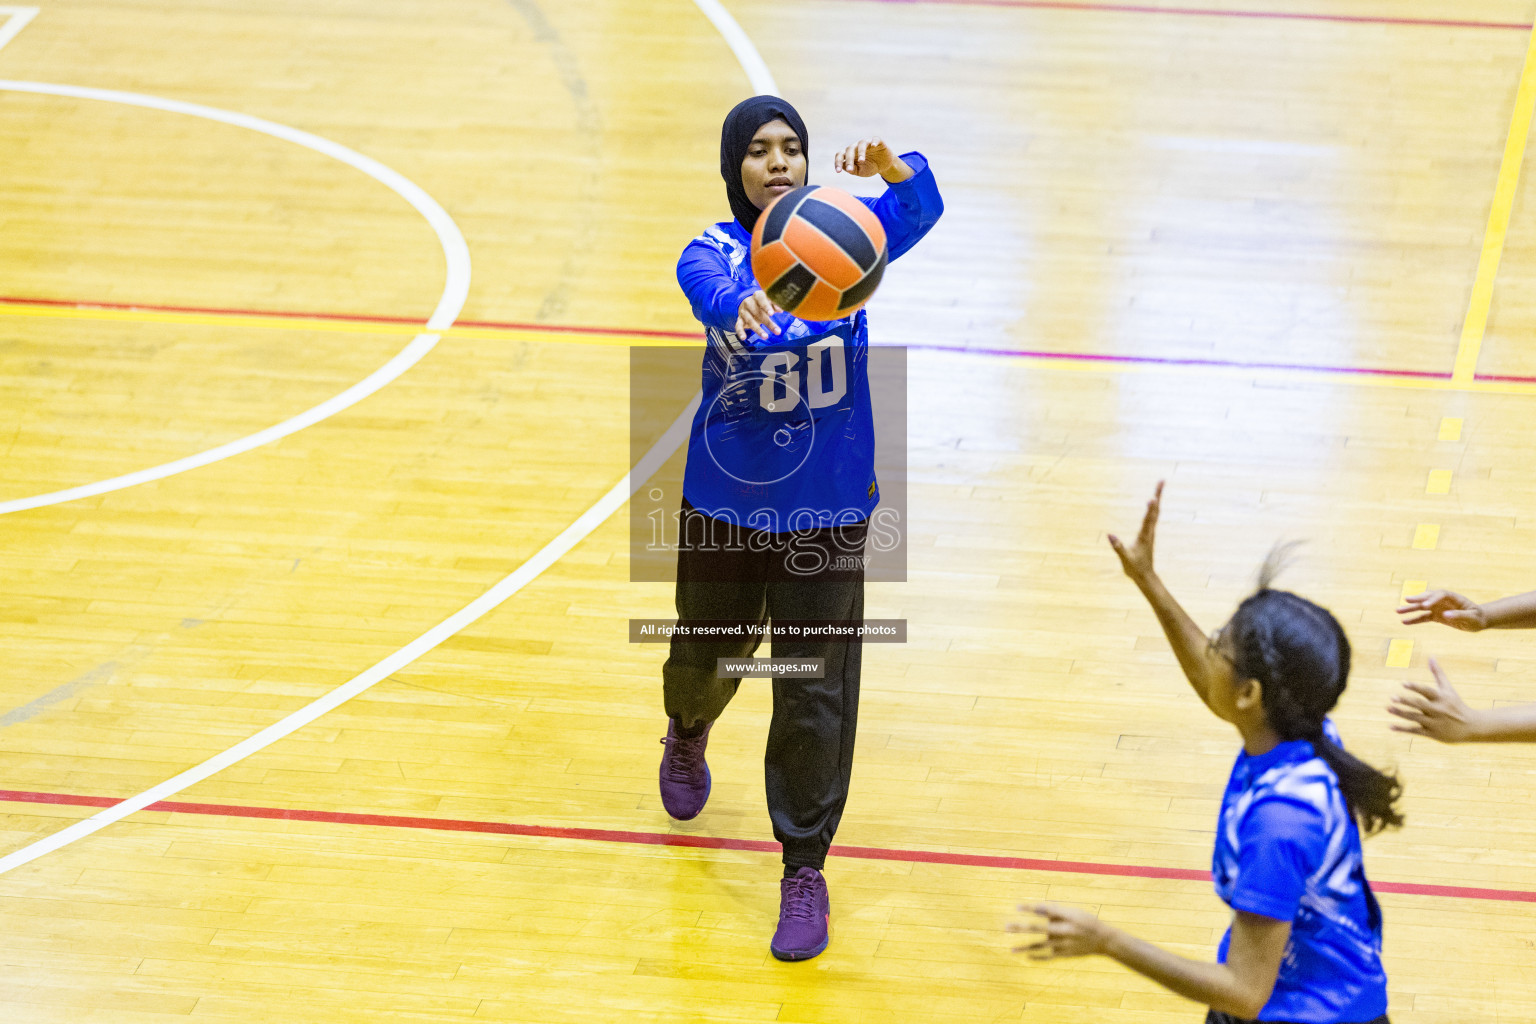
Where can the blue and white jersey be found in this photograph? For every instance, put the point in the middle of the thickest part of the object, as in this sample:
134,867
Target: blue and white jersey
784,437
1288,848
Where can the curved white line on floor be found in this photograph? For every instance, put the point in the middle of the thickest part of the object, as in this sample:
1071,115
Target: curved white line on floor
464,617
741,45
17,19
530,570
455,287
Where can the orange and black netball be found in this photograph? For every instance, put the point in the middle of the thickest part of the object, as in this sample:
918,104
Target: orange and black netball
818,252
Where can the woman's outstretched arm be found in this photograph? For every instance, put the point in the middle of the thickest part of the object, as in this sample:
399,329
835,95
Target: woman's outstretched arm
1241,986
1451,609
1439,713
1190,645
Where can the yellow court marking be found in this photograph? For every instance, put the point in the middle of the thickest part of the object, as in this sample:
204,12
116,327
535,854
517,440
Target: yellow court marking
1411,587
1426,536
1439,482
1399,653
1476,323
1450,429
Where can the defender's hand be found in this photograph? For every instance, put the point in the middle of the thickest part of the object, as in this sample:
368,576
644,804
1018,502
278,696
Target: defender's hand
1437,712
1137,559
1446,607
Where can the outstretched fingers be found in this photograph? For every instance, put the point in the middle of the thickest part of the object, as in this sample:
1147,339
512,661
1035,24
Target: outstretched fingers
1442,682
1437,711
1136,560
1041,949
1149,521
1415,713
755,316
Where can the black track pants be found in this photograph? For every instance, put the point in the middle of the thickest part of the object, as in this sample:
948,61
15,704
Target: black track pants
729,573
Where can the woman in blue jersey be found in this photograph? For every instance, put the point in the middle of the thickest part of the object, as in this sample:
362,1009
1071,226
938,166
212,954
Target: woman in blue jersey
777,495
1305,940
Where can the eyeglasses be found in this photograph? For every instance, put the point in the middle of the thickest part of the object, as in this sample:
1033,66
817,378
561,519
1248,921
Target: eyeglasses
1213,645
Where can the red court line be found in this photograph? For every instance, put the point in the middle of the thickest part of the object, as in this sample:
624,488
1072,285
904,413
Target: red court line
603,835
213,310
283,314
1235,364
1207,12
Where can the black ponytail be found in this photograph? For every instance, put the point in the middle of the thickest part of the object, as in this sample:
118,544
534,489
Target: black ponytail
1299,654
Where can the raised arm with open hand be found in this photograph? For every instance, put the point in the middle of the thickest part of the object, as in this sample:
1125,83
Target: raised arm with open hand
1136,560
1189,644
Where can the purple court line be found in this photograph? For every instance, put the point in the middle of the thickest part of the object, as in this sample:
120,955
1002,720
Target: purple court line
603,835
1206,12
1359,371
1504,377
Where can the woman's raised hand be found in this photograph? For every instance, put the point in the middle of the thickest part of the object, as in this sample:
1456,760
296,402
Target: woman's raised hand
1137,559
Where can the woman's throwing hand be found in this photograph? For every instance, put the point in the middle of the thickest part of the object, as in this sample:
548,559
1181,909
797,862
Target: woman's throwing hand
756,316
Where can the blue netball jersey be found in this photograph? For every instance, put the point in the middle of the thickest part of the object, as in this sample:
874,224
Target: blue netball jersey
1287,848
784,437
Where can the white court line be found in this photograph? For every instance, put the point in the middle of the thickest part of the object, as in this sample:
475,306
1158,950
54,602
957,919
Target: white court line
17,20
568,538
455,287
464,617
741,45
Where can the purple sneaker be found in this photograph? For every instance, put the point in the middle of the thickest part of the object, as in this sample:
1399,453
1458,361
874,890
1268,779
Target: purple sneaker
684,775
805,916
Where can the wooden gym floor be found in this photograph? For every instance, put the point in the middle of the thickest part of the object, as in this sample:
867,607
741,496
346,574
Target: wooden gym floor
1249,250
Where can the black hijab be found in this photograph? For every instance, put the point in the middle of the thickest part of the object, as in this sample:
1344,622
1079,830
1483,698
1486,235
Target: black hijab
741,124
